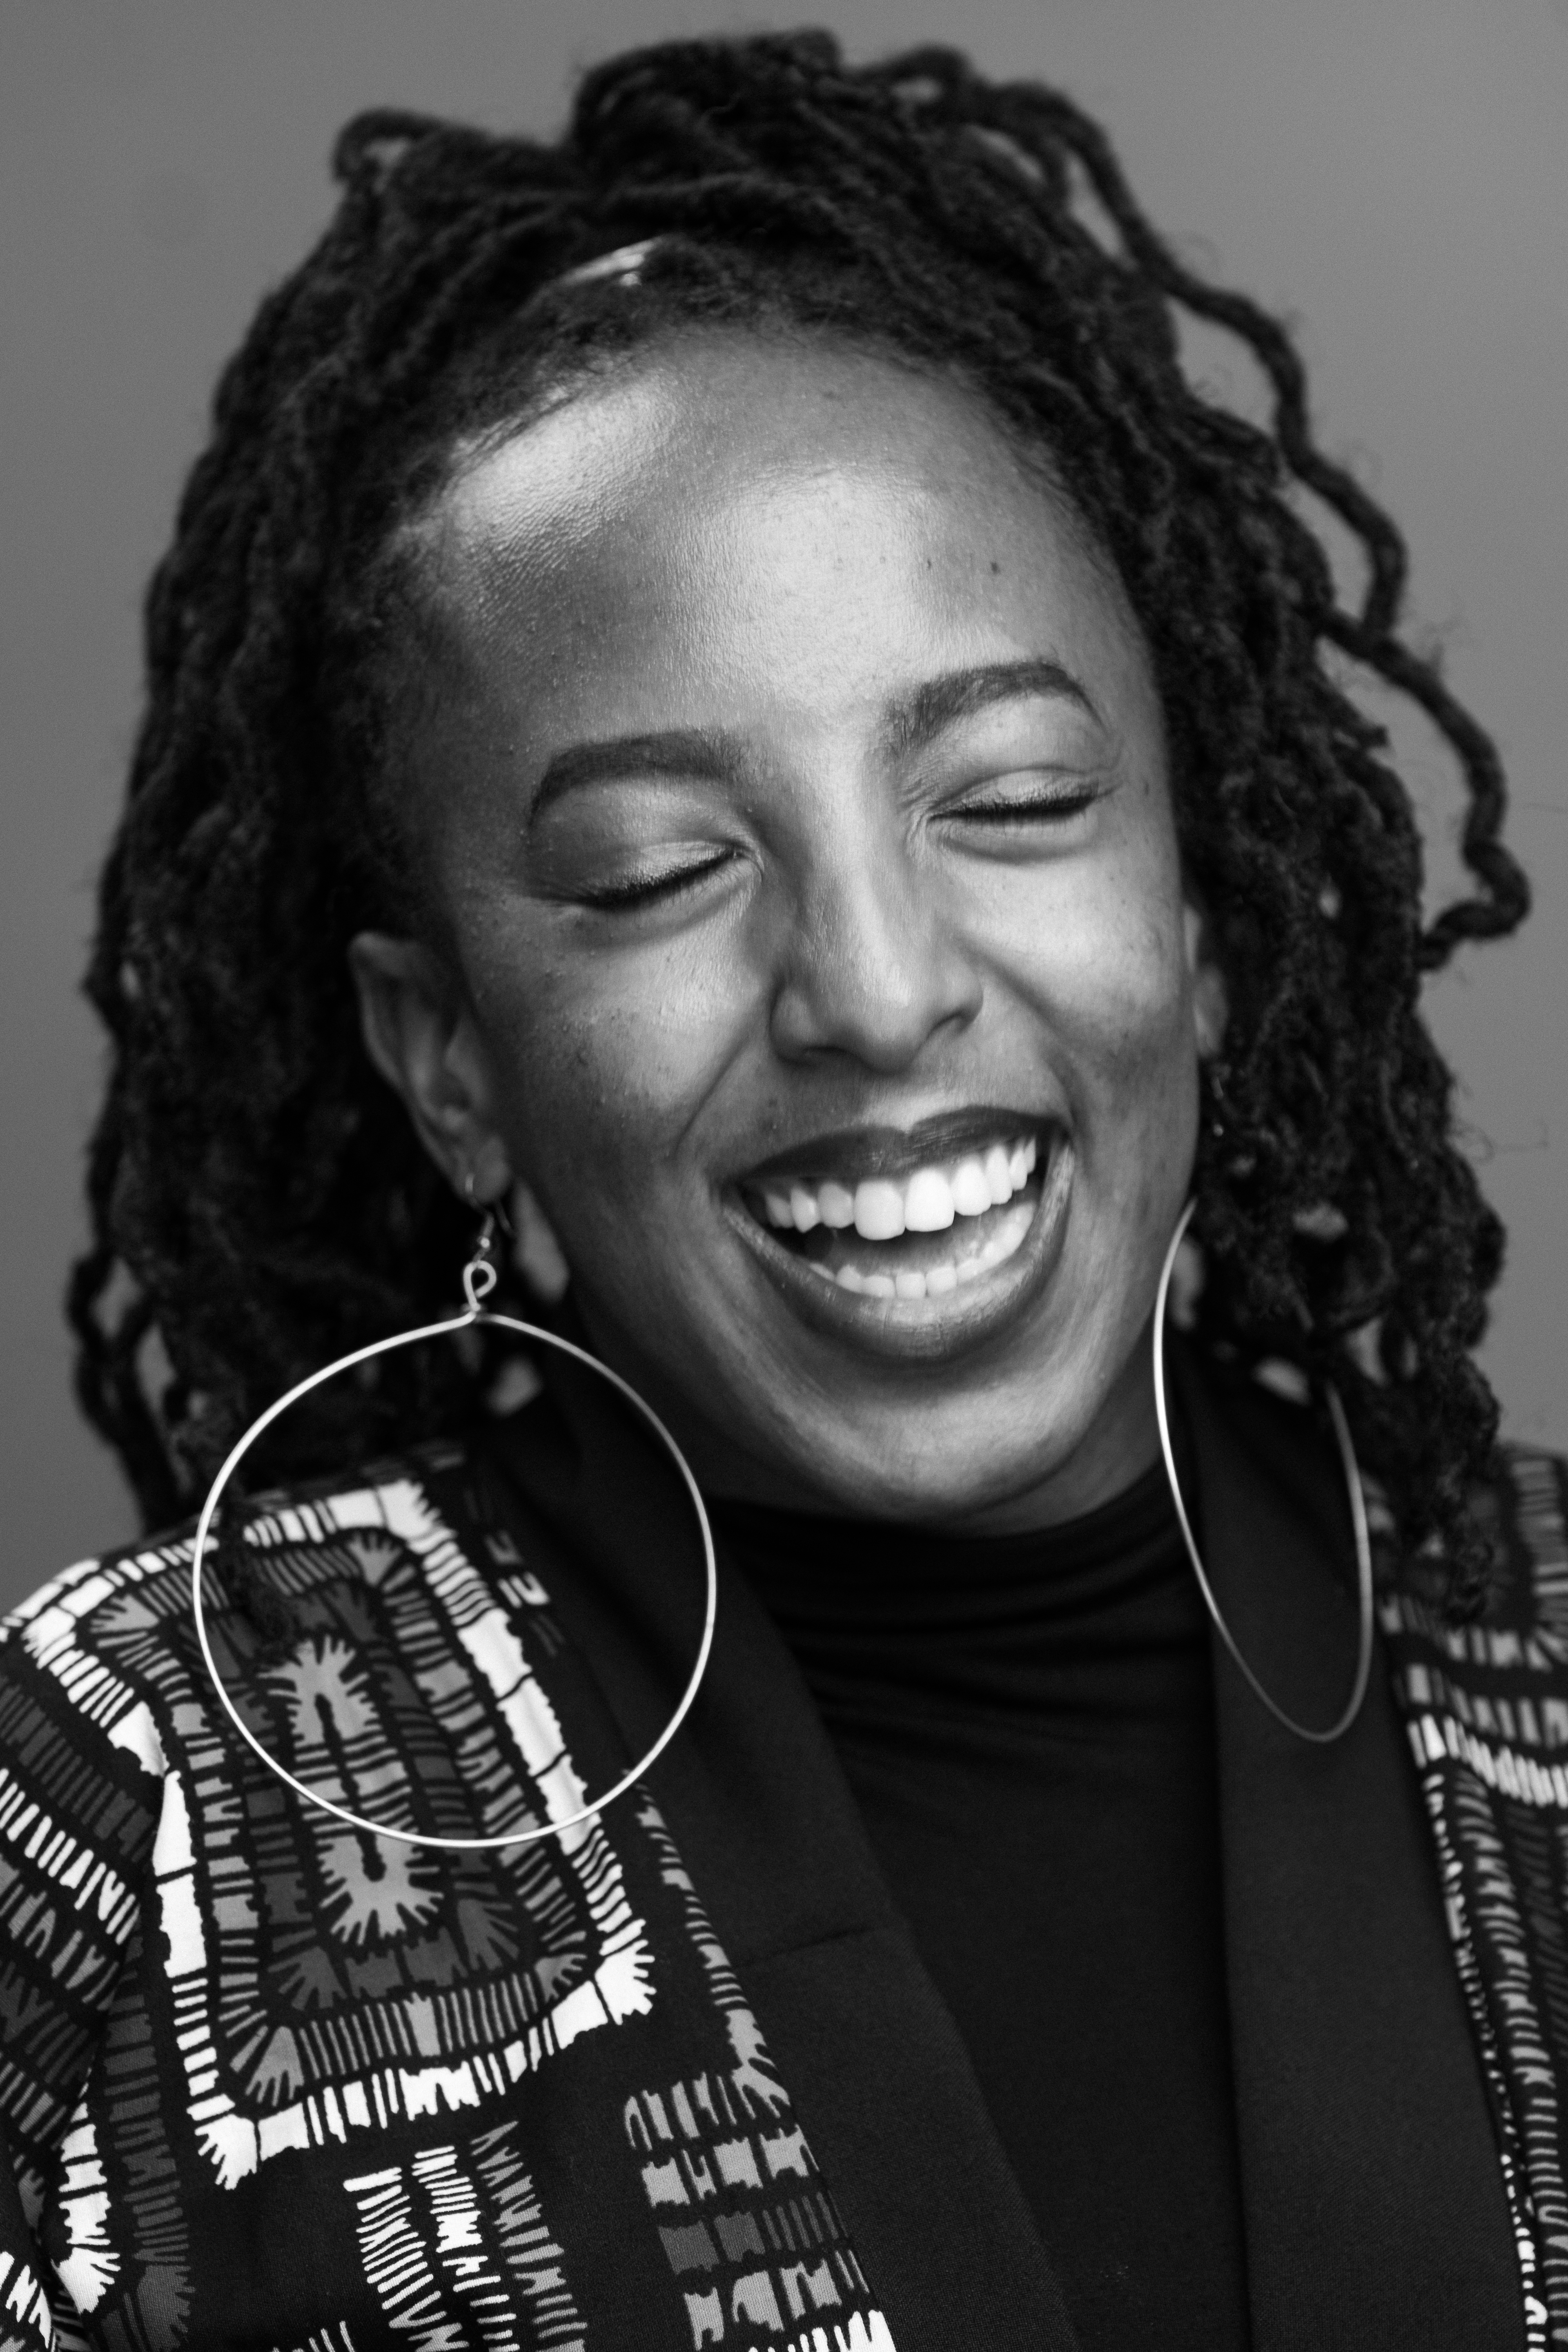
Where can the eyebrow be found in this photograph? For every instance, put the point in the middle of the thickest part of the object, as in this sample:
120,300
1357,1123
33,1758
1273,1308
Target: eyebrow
909,723
678,752
914,720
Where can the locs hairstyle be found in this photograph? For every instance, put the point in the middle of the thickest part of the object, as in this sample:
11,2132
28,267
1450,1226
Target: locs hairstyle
260,1201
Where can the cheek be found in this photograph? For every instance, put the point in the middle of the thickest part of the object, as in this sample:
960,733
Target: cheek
604,1063
1102,965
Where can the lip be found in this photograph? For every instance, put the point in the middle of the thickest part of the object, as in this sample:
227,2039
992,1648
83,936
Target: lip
852,1155
925,1330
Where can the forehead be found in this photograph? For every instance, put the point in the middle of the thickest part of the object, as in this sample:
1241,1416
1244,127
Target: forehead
707,408
745,517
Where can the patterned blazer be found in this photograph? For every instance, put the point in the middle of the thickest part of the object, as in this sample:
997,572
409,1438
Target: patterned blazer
678,2078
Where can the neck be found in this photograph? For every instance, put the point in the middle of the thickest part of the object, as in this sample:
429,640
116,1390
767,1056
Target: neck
1120,1444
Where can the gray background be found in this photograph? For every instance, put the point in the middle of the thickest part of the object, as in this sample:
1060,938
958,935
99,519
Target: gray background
1393,172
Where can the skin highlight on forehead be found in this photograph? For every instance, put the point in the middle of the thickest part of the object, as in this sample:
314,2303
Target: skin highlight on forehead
607,506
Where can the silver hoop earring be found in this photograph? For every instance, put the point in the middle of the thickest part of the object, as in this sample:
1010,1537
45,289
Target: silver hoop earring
480,1278
1358,1520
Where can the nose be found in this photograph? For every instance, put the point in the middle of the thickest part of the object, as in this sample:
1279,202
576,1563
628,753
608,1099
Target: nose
872,967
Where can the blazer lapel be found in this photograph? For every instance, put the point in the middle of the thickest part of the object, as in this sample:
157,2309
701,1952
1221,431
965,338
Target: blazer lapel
1374,2202
765,1822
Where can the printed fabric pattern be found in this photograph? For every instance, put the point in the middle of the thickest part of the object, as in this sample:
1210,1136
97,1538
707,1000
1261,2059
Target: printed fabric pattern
1486,1709
268,2081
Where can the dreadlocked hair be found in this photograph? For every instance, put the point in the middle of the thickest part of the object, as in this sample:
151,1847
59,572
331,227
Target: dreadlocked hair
260,1201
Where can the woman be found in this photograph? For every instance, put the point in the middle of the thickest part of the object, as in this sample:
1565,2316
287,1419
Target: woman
716,685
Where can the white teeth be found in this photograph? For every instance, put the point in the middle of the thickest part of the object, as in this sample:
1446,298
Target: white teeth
970,1193
879,1210
805,1210
914,1283
928,1201
837,1206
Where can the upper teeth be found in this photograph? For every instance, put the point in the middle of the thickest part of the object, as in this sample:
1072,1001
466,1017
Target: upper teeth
925,1202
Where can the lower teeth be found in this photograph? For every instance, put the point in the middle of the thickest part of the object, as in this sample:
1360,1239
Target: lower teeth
936,1281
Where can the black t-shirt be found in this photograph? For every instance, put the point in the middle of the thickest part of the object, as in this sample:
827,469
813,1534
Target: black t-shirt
1028,1725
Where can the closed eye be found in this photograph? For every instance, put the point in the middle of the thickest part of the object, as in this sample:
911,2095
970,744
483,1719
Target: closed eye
1026,801
650,886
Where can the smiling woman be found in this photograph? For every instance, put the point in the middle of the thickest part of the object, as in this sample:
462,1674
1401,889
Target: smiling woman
721,712
798,798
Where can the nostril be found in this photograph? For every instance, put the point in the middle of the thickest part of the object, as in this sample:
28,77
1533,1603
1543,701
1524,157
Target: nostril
879,1002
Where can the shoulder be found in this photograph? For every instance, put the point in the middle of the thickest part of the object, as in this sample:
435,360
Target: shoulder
1493,1695
107,1649
66,1695
1524,1508
1527,1505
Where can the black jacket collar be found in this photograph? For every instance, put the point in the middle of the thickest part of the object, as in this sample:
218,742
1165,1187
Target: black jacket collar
1372,2197
1374,2212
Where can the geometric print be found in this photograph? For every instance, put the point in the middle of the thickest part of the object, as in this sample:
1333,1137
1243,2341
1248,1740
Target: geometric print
229,2022
455,2245
481,2091
746,2221
68,1910
1487,1726
285,2041
23,2307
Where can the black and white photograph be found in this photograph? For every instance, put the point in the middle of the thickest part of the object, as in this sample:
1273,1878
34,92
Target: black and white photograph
784,1240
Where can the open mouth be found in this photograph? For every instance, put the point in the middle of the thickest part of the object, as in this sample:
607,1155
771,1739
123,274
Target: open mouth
920,1232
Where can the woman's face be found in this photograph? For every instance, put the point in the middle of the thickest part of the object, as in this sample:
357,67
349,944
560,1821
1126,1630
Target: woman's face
796,804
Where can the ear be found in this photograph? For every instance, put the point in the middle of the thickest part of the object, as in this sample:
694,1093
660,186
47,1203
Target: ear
422,1038
1211,1005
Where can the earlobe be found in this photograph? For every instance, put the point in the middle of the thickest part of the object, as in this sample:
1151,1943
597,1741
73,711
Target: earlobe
1211,1003
535,1250
420,1034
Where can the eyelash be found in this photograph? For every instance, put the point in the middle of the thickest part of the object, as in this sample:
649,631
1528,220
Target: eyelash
1069,802
1061,801
619,896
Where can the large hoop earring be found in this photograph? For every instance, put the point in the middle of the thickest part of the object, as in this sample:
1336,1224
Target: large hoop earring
480,1278
1337,1729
